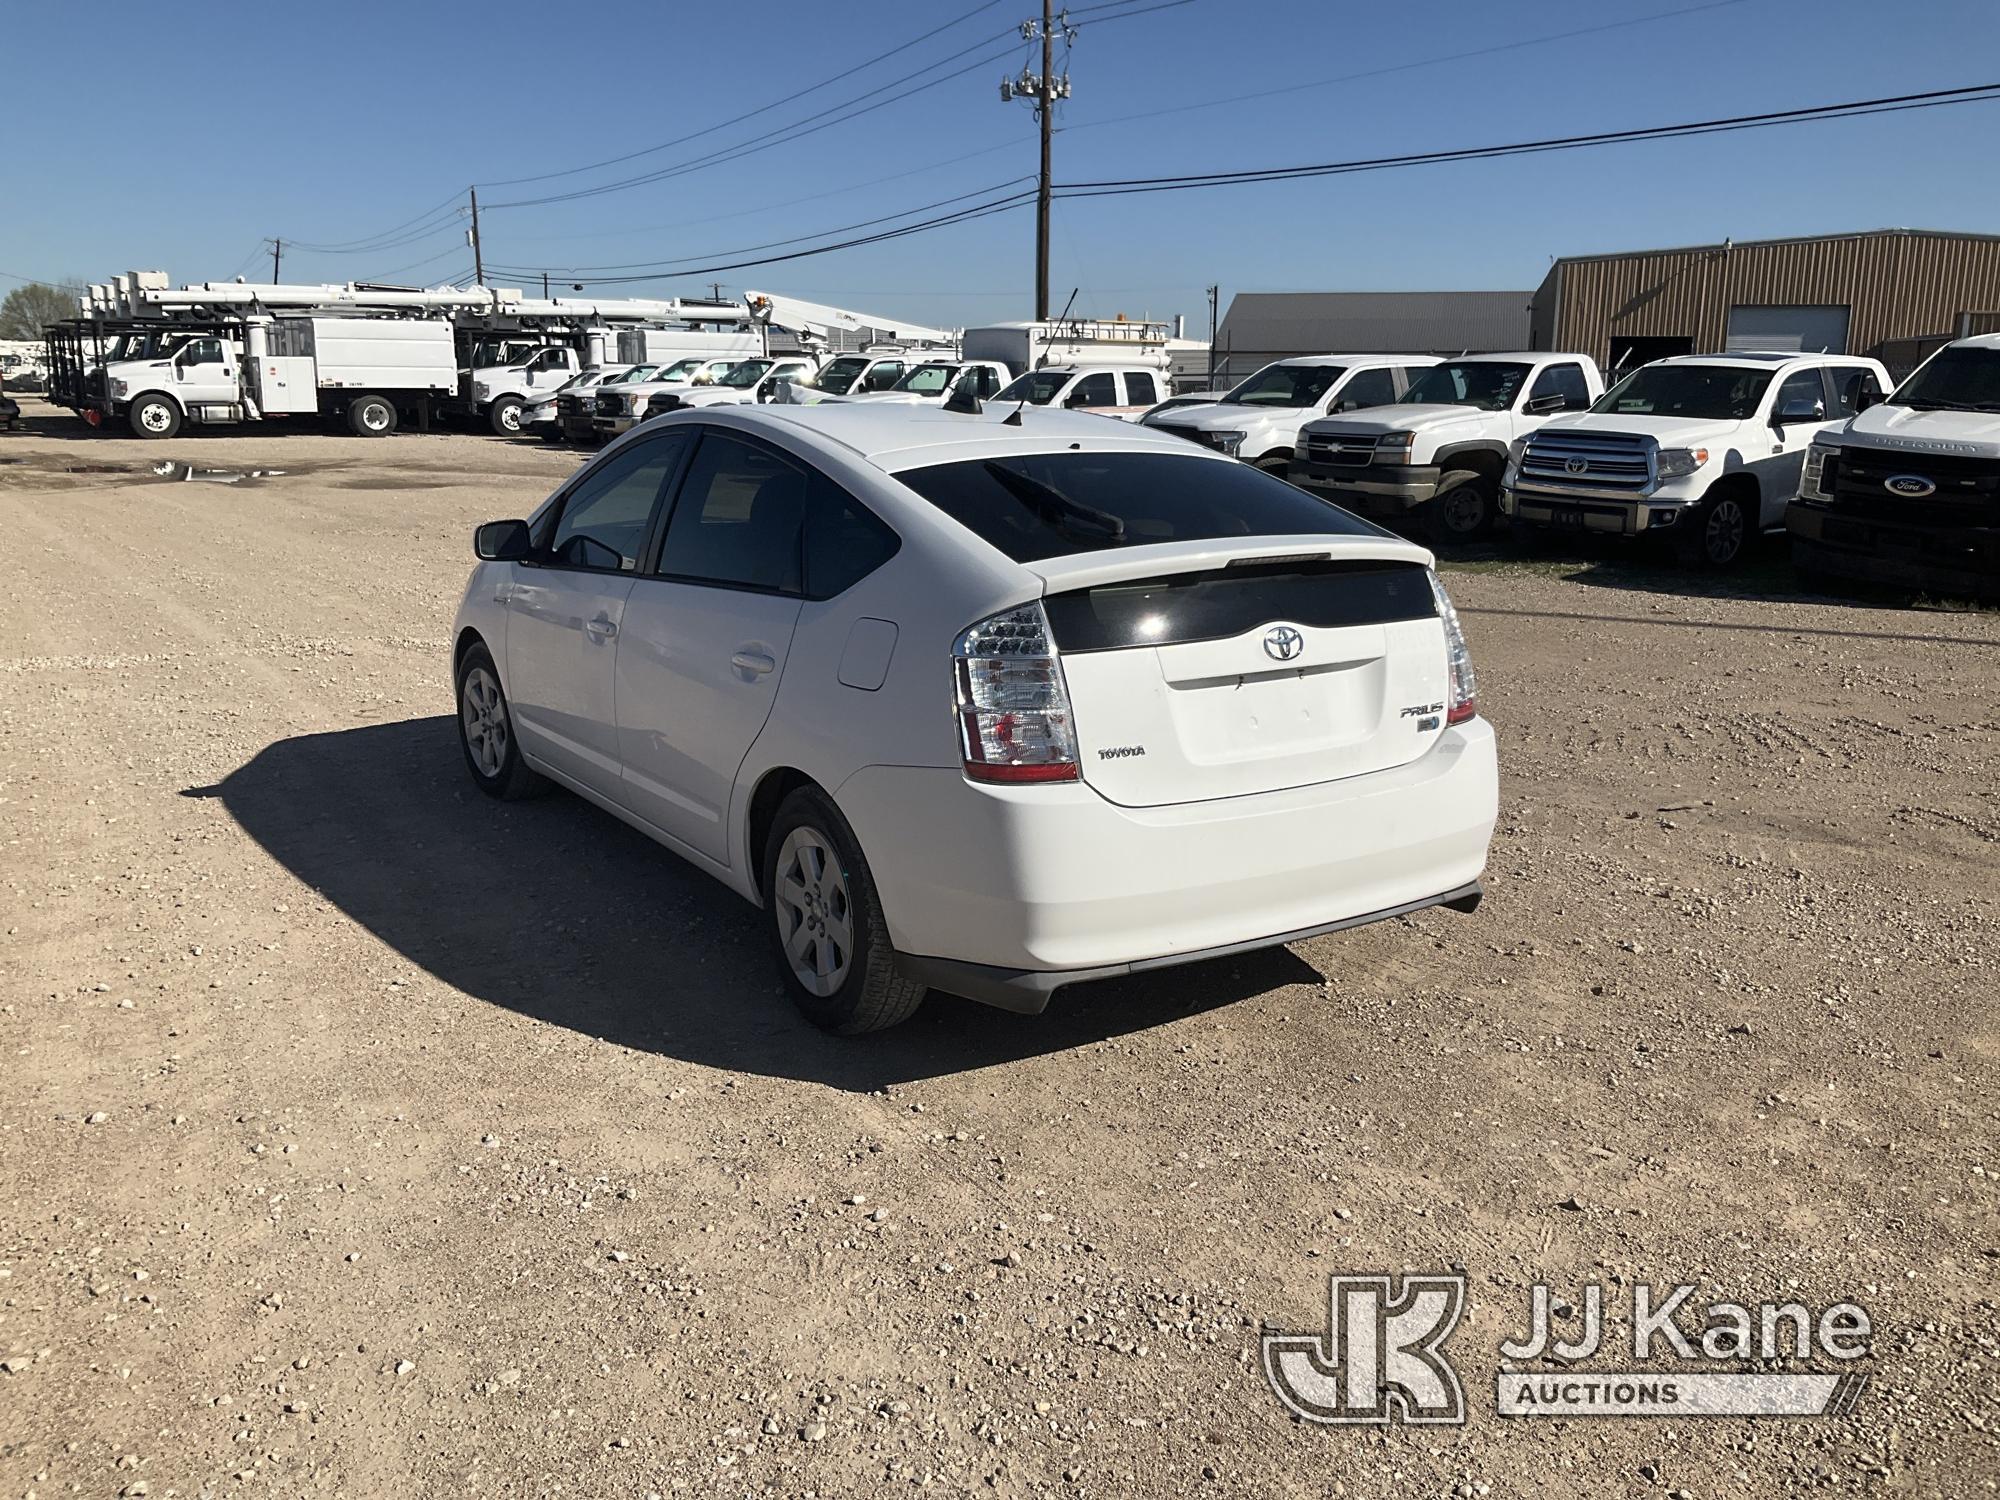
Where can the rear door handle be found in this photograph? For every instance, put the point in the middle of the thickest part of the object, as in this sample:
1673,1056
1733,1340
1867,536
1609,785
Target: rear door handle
753,661
603,628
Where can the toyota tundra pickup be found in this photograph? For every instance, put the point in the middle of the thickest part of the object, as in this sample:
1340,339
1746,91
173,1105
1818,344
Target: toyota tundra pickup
1437,454
1705,446
1907,493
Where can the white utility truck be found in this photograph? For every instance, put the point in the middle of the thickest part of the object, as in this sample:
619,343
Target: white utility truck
1259,420
364,371
1439,452
1106,390
1907,493
1072,342
1704,447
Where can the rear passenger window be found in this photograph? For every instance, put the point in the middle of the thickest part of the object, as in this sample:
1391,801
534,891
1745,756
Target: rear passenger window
602,522
1855,388
1366,388
1139,389
736,521
844,541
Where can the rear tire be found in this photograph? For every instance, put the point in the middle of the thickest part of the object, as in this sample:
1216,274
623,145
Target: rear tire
371,416
486,732
825,921
505,415
1464,507
155,417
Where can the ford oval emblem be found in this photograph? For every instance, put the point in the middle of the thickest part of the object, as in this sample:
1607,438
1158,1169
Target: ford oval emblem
1283,643
1909,486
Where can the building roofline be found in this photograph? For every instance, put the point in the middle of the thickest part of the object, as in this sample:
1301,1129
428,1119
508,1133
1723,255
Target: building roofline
1795,239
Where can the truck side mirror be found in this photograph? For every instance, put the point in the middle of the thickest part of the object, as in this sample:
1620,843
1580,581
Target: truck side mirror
502,541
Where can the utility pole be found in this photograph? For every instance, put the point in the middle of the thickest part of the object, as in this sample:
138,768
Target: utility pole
545,286
277,251
478,260
1043,89
1214,296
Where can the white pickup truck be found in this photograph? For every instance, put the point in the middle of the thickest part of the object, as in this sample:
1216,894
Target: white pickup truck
1128,391
929,384
715,383
1440,450
1259,420
1707,447
1907,493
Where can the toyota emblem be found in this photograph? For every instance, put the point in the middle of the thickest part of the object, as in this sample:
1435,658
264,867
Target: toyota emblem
1578,466
1283,643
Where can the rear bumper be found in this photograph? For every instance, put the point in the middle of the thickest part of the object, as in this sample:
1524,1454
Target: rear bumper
1007,893
1956,560
1562,512
1378,488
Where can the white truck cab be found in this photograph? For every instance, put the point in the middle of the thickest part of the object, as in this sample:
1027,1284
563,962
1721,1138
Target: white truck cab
932,382
1259,420
750,381
1127,391
1706,446
1439,451
502,391
863,373
1906,494
620,409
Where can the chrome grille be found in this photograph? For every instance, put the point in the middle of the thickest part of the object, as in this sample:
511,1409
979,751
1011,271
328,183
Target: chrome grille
1351,449
1588,460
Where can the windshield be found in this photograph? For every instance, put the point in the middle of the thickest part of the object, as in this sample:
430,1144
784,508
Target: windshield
1041,505
839,376
1487,384
631,376
1037,387
927,380
746,374
1286,385
1961,379
1719,392
680,369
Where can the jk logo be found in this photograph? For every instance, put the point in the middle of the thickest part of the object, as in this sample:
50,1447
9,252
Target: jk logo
1381,1358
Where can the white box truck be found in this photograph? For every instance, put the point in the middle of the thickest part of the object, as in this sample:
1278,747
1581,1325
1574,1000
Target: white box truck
363,371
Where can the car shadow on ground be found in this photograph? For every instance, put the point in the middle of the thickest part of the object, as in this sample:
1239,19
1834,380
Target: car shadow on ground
557,910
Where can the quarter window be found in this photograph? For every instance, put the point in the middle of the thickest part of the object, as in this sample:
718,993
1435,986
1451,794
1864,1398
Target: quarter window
1139,388
844,541
602,522
736,521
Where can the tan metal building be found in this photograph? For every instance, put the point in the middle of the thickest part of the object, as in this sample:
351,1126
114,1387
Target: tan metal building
1892,293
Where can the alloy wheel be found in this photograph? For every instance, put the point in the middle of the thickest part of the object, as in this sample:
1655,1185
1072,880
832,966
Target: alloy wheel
483,714
1723,536
813,910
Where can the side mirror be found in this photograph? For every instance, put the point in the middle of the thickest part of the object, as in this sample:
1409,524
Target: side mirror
1865,398
1542,406
1796,411
501,541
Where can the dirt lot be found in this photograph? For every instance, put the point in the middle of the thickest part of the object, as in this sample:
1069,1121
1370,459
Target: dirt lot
361,1137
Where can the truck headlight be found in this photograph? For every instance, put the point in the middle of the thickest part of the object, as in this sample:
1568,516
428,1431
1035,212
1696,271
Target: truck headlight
1227,442
119,390
1394,447
1813,476
481,391
1678,463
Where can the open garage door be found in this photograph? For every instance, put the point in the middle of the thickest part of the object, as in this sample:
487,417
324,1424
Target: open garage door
1798,329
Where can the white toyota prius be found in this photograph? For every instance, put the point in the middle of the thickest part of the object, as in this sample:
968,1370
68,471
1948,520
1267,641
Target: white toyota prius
983,706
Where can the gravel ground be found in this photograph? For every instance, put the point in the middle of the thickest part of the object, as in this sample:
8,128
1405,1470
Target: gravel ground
361,1137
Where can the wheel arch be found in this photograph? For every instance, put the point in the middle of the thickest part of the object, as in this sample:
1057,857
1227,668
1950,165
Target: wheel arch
1482,457
467,639
761,810
165,395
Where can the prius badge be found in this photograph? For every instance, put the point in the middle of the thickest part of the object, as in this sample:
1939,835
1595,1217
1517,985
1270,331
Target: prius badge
1282,643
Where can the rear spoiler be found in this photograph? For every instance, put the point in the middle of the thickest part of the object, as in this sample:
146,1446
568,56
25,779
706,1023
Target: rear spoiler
1085,570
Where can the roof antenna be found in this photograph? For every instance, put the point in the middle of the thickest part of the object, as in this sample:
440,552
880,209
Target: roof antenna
1013,419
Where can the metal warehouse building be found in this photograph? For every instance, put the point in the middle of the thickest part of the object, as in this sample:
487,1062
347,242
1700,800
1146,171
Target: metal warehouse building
1263,326
1895,294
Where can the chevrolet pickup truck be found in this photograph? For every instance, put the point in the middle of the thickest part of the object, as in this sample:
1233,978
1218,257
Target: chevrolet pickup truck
1436,455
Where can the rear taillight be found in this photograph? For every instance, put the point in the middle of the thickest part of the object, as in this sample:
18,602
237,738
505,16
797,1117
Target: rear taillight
1463,693
1013,709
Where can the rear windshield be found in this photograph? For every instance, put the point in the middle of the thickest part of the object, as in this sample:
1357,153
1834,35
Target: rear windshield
1035,506
1225,602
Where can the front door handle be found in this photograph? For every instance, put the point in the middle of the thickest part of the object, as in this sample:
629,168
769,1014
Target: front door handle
755,662
603,628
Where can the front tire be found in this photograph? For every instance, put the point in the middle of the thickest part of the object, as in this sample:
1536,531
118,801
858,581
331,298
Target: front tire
505,415
1719,530
371,416
825,921
155,417
1464,506
486,732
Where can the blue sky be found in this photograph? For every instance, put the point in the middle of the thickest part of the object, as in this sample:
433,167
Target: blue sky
330,126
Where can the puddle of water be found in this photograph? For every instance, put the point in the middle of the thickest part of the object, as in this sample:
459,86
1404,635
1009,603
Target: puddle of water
174,473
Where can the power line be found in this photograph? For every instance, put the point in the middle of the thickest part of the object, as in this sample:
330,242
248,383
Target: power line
752,114
367,241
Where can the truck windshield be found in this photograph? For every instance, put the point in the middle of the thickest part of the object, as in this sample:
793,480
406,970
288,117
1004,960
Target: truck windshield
1037,387
1718,392
631,376
1035,506
927,380
1489,385
1286,385
746,374
1954,379
839,376
680,369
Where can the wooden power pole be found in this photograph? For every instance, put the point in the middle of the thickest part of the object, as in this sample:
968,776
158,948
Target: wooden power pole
478,260
1046,109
